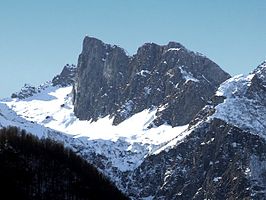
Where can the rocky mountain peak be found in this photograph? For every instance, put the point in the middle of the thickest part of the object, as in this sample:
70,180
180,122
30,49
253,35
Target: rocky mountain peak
260,72
109,82
66,77
26,91
261,66
91,42
147,48
175,45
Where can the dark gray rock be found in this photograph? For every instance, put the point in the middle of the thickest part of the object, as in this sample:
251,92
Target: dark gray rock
109,82
26,91
257,89
66,77
101,79
216,161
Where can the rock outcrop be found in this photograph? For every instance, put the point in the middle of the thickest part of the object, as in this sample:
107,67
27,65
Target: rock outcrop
216,161
170,77
224,156
66,77
26,91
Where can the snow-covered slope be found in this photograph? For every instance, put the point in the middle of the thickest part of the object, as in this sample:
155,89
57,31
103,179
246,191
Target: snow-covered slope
125,146
244,105
131,152
10,118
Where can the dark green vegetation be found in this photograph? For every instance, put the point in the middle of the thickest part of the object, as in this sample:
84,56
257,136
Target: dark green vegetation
43,169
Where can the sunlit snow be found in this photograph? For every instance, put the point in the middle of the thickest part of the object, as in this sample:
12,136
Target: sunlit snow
173,49
187,75
244,112
126,144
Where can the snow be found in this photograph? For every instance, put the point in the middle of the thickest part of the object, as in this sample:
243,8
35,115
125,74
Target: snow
125,145
143,72
216,179
148,198
127,108
206,79
183,132
173,49
167,175
234,144
187,75
162,107
147,90
245,112
235,84
9,118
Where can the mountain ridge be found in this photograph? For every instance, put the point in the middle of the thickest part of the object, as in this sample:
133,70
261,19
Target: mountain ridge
109,82
147,156
222,158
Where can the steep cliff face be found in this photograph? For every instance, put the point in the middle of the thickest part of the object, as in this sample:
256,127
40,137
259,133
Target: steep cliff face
102,75
109,82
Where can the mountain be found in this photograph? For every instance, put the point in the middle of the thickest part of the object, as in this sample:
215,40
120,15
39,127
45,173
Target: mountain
161,124
223,157
43,169
66,77
111,83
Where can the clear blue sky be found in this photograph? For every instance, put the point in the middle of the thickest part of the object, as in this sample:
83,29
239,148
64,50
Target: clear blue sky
38,37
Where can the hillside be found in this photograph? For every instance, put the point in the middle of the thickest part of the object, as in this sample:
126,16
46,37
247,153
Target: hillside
43,169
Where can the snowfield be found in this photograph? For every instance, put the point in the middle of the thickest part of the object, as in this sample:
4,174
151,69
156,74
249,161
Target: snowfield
126,145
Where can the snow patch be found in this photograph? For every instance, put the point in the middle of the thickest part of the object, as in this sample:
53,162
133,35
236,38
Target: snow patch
173,49
148,198
144,73
182,133
127,108
188,76
216,179
147,90
243,111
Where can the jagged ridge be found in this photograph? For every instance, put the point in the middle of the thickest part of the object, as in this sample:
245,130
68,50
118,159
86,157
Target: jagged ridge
109,82
224,156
